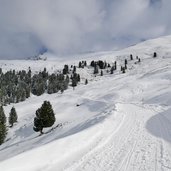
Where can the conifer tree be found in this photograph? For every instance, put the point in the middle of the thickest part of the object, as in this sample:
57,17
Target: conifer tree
101,73
13,116
96,70
79,65
86,82
154,55
74,70
3,132
131,57
2,115
45,117
111,70
123,70
126,62
115,66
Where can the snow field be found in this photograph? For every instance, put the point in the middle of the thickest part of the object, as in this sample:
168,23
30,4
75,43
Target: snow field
122,122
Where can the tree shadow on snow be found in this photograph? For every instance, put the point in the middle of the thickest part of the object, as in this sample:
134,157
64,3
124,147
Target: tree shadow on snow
160,125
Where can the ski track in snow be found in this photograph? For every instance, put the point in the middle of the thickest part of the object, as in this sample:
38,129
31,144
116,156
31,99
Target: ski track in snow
123,122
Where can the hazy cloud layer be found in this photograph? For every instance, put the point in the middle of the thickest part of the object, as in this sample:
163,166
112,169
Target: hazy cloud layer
73,26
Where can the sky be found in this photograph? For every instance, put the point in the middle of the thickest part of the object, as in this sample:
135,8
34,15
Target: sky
64,27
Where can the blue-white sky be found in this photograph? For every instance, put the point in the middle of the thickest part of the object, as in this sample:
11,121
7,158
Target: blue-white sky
75,26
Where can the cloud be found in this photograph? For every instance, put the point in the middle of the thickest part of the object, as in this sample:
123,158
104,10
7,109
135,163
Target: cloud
74,26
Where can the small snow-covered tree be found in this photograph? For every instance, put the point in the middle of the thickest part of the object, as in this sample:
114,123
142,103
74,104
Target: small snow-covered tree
86,82
154,55
131,57
13,116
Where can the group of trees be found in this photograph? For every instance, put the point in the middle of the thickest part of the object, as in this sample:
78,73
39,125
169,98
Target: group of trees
16,86
110,68
45,117
50,83
82,64
12,119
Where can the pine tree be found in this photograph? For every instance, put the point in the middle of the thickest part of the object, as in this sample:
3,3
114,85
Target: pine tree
74,70
154,55
123,70
111,70
101,73
115,66
2,115
74,80
45,117
86,82
3,132
96,70
13,116
126,62
131,57
79,65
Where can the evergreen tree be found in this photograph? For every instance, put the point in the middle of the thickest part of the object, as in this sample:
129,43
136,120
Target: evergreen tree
74,69
115,66
45,117
85,63
13,116
96,70
101,73
74,80
154,55
108,65
3,132
126,62
131,57
111,70
123,70
86,82
66,69
2,115
125,66
80,65
92,63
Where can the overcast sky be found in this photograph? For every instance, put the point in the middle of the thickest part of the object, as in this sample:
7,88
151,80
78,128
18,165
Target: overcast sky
28,27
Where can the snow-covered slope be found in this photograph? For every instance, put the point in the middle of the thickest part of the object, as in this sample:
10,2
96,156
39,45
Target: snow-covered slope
123,121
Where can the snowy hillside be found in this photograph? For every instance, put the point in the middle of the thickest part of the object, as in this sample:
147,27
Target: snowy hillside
116,122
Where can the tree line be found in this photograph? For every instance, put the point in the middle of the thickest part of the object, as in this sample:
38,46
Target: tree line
16,86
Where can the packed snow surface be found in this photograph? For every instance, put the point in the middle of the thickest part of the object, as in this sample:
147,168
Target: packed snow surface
119,122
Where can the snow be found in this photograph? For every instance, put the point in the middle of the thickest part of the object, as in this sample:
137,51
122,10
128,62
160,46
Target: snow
123,121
